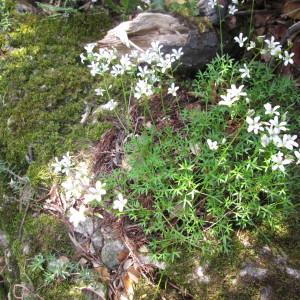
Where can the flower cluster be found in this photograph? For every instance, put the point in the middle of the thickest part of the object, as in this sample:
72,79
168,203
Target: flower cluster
268,47
233,94
147,67
273,131
77,185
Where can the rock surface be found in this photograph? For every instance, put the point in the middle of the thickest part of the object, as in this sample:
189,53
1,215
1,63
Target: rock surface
199,46
112,253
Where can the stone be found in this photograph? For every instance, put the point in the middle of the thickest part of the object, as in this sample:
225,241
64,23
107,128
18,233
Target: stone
112,252
199,46
255,273
3,240
97,241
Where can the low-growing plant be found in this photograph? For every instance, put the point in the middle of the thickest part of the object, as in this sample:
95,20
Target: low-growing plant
225,170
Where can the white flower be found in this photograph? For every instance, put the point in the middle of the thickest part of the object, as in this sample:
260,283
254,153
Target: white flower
117,70
95,193
212,145
297,154
287,58
278,126
273,135
73,187
165,63
177,53
252,45
94,66
273,47
173,89
270,110
64,165
99,91
265,140
120,203
235,92
240,39
110,105
125,62
235,2
227,100
233,95
213,3
143,88
245,72
156,46
143,71
77,216
289,141
279,161
90,47
232,9
82,58
254,124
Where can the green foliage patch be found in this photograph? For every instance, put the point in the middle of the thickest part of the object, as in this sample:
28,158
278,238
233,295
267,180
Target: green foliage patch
44,88
187,194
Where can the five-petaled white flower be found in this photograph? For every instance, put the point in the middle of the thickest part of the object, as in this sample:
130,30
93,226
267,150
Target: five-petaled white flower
273,47
287,58
254,124
173,89
177,53
251,45
95,193
77,216
278,126
245,72
279,161
270,110
232,9
120,203
289,141
236,92
212,145
90,47
240,39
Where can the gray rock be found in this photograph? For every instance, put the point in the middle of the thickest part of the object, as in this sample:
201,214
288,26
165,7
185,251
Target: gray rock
199,47
3,240
97,241
85,228
250,272
112,252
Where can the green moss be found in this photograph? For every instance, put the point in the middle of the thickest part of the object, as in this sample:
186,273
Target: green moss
46,234
44,88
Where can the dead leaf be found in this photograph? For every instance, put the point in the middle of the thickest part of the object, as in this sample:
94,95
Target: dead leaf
103,273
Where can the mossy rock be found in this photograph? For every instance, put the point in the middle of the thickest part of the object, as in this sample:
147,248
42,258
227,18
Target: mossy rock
44,88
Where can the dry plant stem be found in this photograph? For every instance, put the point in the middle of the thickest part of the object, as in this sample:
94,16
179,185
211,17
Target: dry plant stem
251,20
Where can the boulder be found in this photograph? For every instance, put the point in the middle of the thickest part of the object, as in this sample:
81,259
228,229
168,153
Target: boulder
199,42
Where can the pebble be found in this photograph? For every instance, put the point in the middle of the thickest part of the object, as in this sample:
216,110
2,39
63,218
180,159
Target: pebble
111,253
